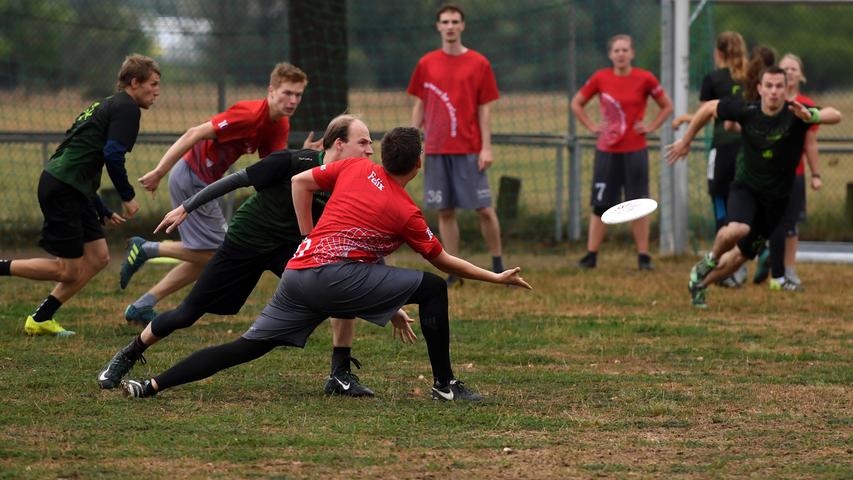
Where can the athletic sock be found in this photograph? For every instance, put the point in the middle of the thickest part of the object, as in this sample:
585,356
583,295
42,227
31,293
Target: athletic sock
340,359
497,264
152,249
47,308
5,268
144,301
135,348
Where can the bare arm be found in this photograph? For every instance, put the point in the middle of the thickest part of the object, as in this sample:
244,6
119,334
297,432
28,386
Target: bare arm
665,105
192,136
577,105
302,187
418,113
484,117
812,158
447,263
681,147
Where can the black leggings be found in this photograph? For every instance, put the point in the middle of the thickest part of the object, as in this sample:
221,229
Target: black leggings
185,315
431,297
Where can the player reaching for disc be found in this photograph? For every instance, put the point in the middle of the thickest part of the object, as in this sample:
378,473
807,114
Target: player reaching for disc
621,156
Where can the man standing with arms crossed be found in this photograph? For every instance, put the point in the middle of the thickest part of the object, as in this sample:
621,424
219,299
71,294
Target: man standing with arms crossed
453,89
67,192
200,157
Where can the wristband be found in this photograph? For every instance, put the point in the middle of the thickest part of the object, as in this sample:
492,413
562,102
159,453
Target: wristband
815,115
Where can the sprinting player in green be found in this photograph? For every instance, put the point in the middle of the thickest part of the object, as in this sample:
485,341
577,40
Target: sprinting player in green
67,191
263,235
773,132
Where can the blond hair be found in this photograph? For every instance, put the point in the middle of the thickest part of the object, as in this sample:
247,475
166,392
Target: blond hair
799,61
733,50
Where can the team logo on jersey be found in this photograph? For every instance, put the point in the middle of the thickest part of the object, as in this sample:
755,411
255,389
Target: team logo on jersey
222,124
88,112
376,181
323,167
429,234
767,154
445,98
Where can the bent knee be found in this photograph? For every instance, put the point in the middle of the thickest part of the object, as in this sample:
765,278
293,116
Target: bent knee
738,229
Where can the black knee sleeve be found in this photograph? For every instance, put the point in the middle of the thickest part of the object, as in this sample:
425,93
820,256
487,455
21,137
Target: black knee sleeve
431,297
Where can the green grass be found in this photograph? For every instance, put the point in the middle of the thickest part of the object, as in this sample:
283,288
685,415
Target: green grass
607,373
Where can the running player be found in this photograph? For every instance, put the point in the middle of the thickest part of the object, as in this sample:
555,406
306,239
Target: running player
335,269
207,150
773,132
621,156
100,136
263,235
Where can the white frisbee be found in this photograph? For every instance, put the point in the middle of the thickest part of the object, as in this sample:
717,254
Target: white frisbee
629,211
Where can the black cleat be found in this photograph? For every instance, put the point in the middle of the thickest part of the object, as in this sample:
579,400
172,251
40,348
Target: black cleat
346,383
454,390
121,363
138,388
645,263
588,261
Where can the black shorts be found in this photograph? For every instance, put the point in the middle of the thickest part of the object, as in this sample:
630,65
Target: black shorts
231,275
759,212
721,169
615,172
70,219
795,212
305,298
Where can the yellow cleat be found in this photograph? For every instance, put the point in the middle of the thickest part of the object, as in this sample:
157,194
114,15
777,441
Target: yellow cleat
48,327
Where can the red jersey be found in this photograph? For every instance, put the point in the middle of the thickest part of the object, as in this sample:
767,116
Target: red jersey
452,87
244,128
801,168
623,104
368,216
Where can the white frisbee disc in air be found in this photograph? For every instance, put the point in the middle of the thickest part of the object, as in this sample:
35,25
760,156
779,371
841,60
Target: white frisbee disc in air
629,211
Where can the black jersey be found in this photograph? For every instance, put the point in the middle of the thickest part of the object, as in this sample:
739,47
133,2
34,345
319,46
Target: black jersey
718,85
79,159
772,146
267,219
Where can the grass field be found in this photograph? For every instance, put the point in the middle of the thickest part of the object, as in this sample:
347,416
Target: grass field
608,373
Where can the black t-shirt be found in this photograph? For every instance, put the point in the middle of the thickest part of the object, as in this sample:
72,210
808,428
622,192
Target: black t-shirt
79,159
267,219
718,85
772,146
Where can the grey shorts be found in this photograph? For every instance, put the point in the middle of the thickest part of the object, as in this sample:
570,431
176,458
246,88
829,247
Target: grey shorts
305,298
454,181
615,172
204,228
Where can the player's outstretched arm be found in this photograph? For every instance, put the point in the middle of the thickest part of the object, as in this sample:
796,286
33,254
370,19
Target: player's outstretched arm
825,115
192,136
681,147
447,263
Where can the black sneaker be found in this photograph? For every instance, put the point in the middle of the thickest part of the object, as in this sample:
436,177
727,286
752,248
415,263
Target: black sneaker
111,375
138,388
346,383
454,390
588,261
645,263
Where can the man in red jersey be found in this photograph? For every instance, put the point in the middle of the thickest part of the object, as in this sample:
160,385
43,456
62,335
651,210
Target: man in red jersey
454,87
336,271
198,158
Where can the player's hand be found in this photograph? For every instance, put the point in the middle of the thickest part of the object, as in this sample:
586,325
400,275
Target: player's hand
114,219
130,208
800,110
310,143
816,183
485,159
512,277
641,128
151,180
403,327
172,220
677,150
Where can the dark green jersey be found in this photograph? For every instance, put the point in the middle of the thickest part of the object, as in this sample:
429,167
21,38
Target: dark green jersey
718,85
79,159
267,219
772,146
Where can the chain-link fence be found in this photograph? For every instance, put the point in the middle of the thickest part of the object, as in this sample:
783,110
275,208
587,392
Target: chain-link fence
56,55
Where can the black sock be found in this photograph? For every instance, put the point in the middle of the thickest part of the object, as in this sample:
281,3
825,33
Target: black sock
135,348
47,308
5,268
644,258
340,359
497,264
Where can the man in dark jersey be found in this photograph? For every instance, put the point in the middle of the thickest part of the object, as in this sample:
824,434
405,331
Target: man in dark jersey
336,269
773,132
67,192
262,236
